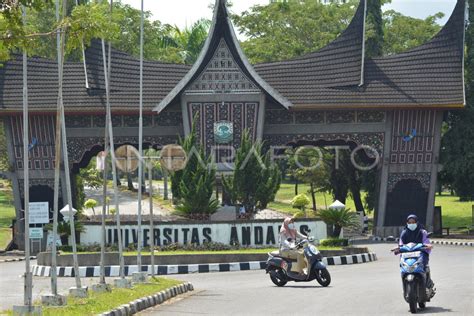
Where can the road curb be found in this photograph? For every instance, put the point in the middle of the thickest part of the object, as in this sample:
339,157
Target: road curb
434,242
113,271
16,259
150,301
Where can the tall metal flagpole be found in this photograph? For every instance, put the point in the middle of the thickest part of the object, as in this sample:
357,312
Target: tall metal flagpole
107,73
84,57
152,226
114,168
140,149
78,291
26,182
57,169
104,195
102,286
104,209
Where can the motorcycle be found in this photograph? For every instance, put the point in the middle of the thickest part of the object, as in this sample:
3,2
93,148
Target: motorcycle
414,276
280,272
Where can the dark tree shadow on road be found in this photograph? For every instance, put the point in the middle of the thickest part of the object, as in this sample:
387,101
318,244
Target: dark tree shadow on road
434,310
303,287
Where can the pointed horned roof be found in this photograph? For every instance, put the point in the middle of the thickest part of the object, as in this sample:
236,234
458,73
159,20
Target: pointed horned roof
221,28
430,75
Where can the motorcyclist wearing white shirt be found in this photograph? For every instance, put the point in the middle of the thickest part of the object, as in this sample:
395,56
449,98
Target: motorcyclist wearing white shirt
288,235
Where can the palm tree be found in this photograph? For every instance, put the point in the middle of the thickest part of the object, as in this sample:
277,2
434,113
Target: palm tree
188,41
339,219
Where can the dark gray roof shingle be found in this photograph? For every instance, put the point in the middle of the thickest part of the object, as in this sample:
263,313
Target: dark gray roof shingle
428,75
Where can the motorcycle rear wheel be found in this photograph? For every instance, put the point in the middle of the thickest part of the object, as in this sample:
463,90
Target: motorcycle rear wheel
411,297
277,279
323,277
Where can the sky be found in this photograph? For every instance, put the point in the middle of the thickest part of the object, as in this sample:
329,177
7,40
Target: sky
185,12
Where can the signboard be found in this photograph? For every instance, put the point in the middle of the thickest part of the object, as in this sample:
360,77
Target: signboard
49,240
39,212
36,233
251,233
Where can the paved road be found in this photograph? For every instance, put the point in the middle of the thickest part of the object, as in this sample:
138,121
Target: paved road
365,289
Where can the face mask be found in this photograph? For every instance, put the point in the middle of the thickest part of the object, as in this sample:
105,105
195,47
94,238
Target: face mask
412,227
291,226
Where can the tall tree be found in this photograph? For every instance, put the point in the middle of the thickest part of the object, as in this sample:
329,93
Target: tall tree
85,21
270,183
283,30
196,181
256,179
403,32
186,45
374,29
313,169
457,152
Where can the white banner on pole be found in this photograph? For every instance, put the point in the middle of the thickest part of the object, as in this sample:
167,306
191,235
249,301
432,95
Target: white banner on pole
39,213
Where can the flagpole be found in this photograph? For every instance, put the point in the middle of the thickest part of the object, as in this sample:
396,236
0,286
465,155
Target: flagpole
26,181
104,208
78,291
152,225
57,169
140,150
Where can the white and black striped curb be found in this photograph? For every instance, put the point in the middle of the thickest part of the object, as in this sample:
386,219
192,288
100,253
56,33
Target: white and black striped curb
16,259
150,301
113,271
453,243
385,239
434,242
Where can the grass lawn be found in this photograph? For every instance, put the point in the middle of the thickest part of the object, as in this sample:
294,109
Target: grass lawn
97,303
7,214
287,192
454,212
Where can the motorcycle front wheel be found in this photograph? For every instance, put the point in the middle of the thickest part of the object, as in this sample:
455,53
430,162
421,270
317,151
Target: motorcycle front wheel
411,296
323,277
277,278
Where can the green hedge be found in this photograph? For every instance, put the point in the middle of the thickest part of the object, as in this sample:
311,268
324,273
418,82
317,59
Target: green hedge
335,242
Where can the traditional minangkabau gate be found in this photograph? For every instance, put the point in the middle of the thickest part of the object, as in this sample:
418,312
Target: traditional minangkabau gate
393,104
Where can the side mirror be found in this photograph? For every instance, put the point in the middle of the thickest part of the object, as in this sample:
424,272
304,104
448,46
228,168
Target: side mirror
430,234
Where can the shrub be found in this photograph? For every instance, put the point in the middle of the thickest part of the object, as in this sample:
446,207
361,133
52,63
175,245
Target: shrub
339,219
300,201
335,242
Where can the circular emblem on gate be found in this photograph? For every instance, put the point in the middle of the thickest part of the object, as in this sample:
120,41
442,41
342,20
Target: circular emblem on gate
223,132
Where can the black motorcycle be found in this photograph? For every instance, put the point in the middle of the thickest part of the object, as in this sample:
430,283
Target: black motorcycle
280,272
